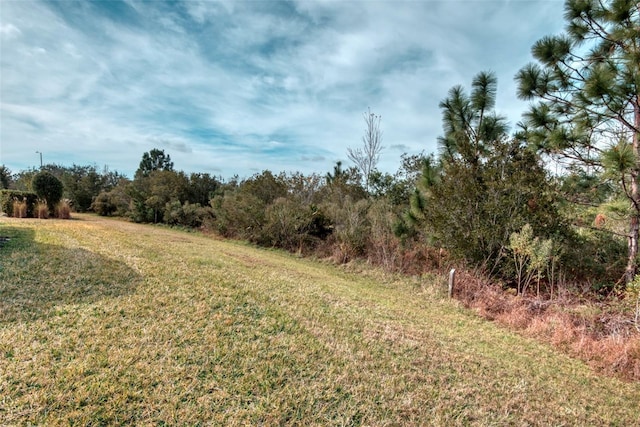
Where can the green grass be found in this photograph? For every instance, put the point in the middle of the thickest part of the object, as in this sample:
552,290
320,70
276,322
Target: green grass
105,322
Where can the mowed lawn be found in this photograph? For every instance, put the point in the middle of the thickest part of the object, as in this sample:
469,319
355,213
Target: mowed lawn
104,322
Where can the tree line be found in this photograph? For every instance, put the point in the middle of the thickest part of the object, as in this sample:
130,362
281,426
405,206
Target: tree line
553,203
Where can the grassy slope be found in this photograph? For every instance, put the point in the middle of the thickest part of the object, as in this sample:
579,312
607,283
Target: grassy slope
106,322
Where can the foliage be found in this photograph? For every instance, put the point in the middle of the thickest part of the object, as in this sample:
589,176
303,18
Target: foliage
294,226
23,179
151,193
154,160
588,92
202,188
265,186
483,187
350,227
6,177
239,215
397,188
187,215
470,124
113,202
342,183
8,198
532,257
49,188
82,184
383,245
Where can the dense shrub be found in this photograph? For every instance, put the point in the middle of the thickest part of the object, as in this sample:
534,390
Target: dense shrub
239,215
9,198
49,188
383,246
103,205
188,215
351,228
471,209
113,202
81,186
293,226
150,193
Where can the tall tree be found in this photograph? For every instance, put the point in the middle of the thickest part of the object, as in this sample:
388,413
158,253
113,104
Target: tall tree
366,158
5,177
82,185
587,86
152,161
469,122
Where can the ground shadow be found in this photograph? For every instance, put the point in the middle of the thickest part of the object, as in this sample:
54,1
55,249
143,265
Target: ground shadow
36,278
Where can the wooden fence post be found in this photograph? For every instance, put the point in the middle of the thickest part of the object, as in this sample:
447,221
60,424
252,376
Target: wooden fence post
452,280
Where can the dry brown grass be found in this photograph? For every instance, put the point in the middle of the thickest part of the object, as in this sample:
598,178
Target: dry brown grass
63,210
41,211
599,334
19,209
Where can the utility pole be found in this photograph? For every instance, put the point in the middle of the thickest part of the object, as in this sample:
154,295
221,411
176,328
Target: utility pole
38,152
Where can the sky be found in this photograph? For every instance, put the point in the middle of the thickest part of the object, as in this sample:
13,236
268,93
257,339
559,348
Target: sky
237,87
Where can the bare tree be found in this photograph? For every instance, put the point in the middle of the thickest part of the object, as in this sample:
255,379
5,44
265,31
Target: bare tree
366,158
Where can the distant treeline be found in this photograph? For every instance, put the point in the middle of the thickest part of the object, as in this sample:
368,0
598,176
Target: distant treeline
429,214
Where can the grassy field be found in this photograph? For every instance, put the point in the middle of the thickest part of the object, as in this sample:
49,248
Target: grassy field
104,322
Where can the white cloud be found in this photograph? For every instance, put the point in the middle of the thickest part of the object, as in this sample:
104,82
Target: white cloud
237,87
9,31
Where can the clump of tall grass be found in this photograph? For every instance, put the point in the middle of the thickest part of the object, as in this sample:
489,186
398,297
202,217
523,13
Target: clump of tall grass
19,209
63,210
42,211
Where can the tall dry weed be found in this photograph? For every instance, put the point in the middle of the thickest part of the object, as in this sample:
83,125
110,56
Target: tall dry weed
63,210
42,211
19,209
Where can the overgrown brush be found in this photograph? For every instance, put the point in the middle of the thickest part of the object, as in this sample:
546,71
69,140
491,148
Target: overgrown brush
605,335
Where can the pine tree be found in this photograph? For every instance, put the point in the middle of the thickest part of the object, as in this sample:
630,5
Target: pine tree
587,86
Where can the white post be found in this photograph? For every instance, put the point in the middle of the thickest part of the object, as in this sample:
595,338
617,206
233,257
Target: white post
452,279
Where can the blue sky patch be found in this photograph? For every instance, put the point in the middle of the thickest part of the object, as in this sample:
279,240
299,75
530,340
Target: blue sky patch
237,87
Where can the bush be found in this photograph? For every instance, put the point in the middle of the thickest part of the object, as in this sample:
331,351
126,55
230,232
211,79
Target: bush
239,216
115,202
383,246
8,198
188,215
351,228
49,188
294,226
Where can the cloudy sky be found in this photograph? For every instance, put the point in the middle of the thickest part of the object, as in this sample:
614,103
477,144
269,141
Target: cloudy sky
236,87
